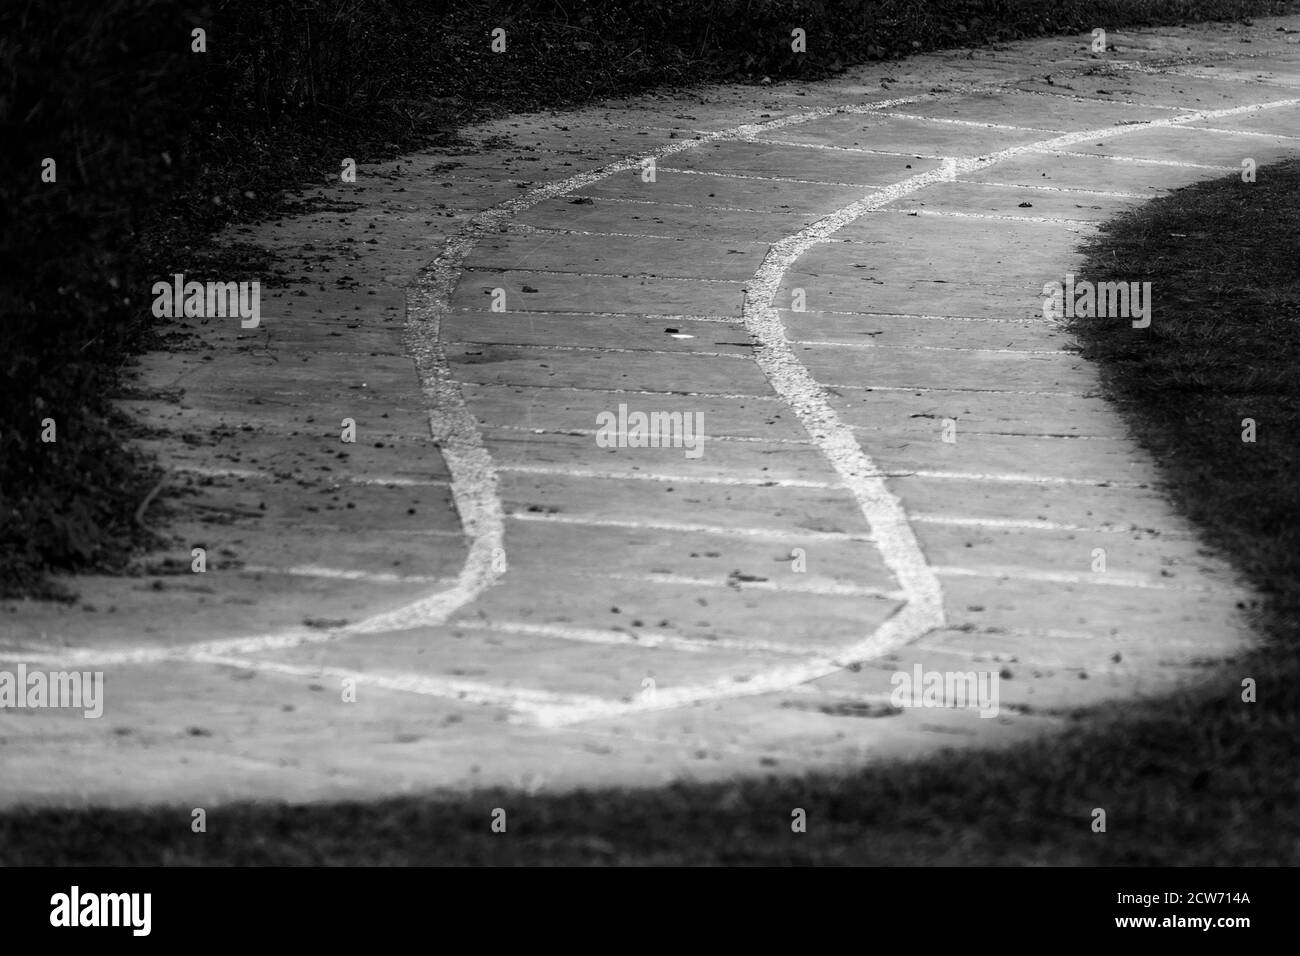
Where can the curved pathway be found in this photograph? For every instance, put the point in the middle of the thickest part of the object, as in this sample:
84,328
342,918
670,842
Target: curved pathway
905,469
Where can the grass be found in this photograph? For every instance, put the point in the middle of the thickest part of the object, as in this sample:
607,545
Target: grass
1199,778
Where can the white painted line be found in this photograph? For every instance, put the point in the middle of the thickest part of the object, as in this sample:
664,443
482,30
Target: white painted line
1138,160
687,205
1109,579
1103,193
1246,132
975,124
606,390
765,179
1028,322
1020,524
1074,224
1183,73
732,481
772,141
791,536
576,432
521,228
826,589
953,389
807,343
1023,478
638,637
912,431
584,390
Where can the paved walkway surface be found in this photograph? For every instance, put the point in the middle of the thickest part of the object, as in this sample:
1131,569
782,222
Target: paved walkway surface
834,276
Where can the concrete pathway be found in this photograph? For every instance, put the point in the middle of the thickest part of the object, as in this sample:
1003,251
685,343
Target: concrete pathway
905,468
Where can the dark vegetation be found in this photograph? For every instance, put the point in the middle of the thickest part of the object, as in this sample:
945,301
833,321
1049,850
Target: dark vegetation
1201,778
157,147
1223,347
